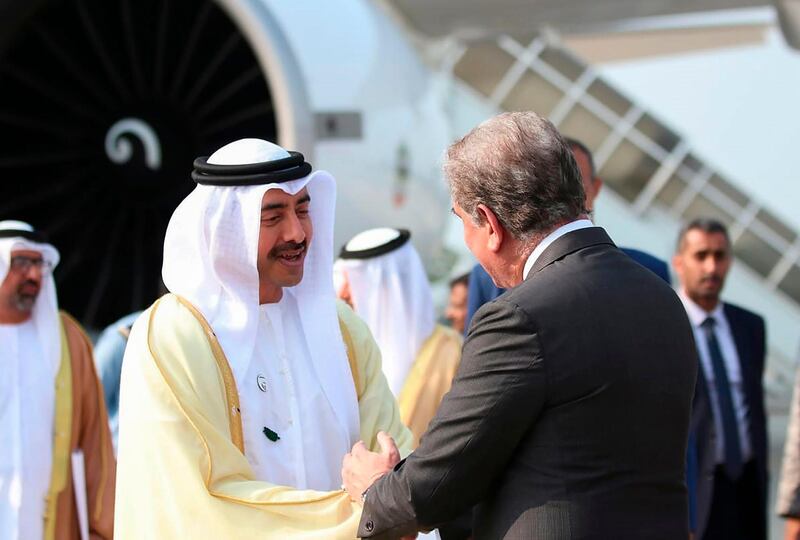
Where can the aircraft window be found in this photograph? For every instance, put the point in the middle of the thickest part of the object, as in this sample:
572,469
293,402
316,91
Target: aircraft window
692,163
532,93
628,170
657,132
729,191
777,226
563,62
790,284
581,124
671,191
483,65
756,253
608,96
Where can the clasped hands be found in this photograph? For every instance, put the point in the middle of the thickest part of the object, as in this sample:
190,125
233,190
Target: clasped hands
361,468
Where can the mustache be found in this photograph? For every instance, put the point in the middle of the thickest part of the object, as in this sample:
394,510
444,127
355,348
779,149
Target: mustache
277,251
29,282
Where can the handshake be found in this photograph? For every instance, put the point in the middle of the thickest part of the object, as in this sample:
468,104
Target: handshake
362,468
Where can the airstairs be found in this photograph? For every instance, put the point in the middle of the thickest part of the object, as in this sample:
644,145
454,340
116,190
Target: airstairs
654,181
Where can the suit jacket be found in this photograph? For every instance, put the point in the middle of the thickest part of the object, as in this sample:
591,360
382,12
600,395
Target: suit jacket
568,417
481,288
749,335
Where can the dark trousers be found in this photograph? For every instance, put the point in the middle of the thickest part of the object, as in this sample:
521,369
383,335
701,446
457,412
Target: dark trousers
737,511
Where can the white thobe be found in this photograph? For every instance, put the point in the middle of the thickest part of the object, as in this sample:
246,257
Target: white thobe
282,392
27,401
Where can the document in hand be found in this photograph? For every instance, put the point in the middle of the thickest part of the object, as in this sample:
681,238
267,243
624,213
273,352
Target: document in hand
79,484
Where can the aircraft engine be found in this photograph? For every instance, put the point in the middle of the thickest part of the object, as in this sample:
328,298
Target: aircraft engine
105,103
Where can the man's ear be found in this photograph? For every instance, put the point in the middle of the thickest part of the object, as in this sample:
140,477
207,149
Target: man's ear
677,263
592,191
495,229
343,291
598,185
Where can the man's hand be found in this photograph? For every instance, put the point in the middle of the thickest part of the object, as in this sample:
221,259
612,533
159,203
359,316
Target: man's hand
361,468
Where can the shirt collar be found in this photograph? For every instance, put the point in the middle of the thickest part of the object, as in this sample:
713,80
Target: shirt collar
552,237
697,314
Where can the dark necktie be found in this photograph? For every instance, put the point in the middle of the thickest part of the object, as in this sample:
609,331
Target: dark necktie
730,429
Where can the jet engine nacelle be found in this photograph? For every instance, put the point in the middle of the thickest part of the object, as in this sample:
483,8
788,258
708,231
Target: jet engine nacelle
105,103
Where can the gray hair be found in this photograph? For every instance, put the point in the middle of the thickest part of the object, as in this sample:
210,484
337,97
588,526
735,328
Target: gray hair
519,166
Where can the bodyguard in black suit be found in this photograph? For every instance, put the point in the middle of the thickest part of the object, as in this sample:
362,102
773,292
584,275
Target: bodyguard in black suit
569,415
729,424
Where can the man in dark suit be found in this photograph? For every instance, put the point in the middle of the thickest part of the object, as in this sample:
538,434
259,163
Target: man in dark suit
481,287
728,420
569,415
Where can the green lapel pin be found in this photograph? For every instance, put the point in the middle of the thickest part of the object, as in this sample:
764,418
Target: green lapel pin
271,435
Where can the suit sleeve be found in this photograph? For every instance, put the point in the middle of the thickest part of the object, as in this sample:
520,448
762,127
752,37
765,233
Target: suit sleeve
762,410
758,409
475,432
94,440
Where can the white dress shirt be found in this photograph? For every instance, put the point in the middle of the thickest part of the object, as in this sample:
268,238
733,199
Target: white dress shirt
722,331
27,401
282,392
552,237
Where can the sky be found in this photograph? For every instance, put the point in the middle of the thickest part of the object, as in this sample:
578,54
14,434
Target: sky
739,109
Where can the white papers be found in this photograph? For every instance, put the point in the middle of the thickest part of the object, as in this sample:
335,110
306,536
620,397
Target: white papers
79,484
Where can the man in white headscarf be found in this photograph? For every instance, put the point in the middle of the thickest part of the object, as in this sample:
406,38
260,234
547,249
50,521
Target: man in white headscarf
381,275
243,389
52,415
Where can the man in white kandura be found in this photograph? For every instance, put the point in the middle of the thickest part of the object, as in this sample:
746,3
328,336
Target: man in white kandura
243,389
381,275
56,460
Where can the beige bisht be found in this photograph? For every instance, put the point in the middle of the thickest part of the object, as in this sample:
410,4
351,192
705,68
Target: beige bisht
185,474
429,379
80,424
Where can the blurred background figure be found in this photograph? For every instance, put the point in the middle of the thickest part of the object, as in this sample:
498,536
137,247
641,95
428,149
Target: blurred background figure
108,354
456,310
728,416
389,290
56,446
109,351
591,186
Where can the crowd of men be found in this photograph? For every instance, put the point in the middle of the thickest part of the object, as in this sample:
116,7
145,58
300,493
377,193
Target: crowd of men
277,391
